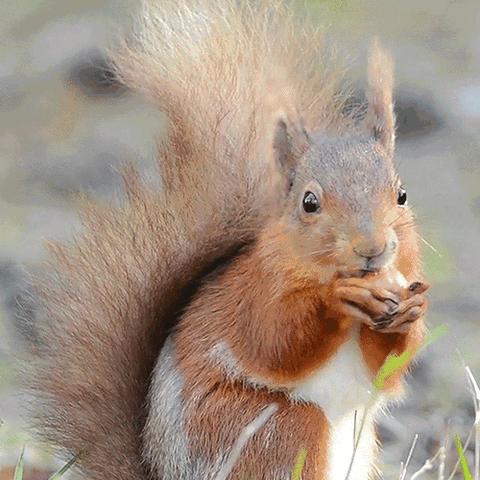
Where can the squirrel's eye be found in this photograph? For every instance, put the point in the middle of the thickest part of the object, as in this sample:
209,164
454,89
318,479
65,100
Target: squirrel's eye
310,202
402,196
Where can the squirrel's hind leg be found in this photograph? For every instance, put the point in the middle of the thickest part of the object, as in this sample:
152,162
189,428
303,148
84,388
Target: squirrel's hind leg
194,421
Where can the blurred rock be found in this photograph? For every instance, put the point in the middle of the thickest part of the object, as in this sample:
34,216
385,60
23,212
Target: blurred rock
60,40
416,114
93,75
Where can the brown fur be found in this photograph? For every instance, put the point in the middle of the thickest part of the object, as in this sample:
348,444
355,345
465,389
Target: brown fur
243,89
271,314
281,322
271,453
108,297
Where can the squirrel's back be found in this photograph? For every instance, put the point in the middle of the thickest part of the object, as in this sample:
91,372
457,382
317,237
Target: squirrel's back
238,82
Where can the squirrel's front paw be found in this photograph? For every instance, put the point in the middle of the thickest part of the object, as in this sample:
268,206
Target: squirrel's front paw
357,299
412,307
380,308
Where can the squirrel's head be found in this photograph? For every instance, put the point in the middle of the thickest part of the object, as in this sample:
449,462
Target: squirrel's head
346,207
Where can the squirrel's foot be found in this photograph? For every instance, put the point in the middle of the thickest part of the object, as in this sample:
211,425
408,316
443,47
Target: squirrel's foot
379,308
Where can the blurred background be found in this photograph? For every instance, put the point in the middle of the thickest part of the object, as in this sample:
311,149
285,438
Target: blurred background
66,126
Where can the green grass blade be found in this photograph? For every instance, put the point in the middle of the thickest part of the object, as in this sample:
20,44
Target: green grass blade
467,475
434,335
19,467
394,363
299,464
60,473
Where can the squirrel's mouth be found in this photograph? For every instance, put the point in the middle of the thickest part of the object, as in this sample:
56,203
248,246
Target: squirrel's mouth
363,272
369,271
359,272
360,267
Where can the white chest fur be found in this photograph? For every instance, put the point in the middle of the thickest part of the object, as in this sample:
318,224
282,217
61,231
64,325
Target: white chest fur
341,388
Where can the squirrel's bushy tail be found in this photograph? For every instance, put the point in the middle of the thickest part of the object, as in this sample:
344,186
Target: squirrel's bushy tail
224,72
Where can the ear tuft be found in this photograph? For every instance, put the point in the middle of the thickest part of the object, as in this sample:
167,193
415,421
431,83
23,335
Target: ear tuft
290,141
380,120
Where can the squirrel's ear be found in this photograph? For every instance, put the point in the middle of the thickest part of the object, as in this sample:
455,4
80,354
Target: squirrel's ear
380,119
290,141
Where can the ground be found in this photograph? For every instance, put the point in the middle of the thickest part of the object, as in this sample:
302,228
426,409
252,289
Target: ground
66,126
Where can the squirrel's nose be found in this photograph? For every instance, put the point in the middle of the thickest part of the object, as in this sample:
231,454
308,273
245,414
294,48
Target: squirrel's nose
369,247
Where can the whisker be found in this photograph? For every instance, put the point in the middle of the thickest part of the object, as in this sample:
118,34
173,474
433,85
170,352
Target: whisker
429,245
324,253
327,252
408,223
399,216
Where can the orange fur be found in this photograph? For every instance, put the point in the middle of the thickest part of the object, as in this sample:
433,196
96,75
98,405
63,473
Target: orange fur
281,324
271,451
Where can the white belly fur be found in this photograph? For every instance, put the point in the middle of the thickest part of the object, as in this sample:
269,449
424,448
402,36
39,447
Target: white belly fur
340,388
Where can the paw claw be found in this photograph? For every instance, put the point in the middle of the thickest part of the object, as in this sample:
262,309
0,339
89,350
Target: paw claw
414,286
392,306
418,287
383,322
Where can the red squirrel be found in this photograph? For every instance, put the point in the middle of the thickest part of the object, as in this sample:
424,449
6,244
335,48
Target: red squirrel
279,263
